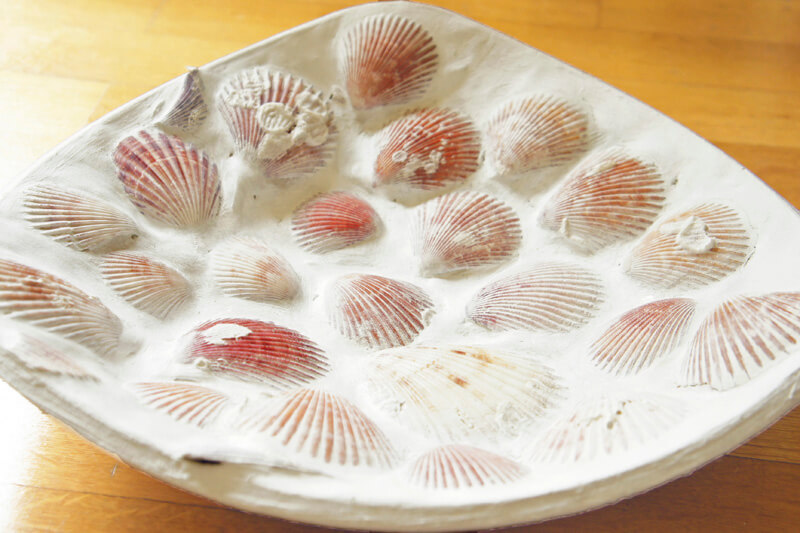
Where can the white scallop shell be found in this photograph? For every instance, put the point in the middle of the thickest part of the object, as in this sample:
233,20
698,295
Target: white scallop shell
184,402
78,221
190,109
457,466
458,392
465,231
245,267
43,352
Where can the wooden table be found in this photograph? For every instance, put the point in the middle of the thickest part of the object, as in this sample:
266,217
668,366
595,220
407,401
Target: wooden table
729,70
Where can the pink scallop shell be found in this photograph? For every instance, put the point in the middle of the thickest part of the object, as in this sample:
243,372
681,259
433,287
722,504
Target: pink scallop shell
461,392
378,312
333,221
693,249
190,109
168,180
328,428
51,303
465,231
609,198
554,297
536,132
643,335
245,267
145,283
256,351
388,60
184,402
741,337
239,101
456,466
428,149
77,221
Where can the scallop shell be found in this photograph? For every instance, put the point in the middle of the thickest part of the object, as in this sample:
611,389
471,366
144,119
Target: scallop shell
190,110
643,335
741,337
464,231
184,402
428,149
553,297
333,221
168,180
77,221
457,392
278,119
245,267
456,466
256,351
378,312
604,427
51,303
536,132
609,198
41,351
692,249
145,283
328,428
388,60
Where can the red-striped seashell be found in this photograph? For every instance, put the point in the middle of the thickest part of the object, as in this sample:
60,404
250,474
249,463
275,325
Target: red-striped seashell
536,132
457,466
190,109
256,351
602,427
378,312
42,351
643,335
245,267
184,402
278,119
691,250
465,231
609,198
168,180
741,337
328,428
552,297
333,221
51,303
459,392
145,283
77,221
428,149
387,60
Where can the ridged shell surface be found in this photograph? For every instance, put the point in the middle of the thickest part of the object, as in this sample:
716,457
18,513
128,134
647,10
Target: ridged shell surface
457,466
465,231
333,221
428,149
328,428
190,109
693,249
246,267
168,180
741,337
461,392
378,312
603,427
536,132
145,283
388,59
77,221
184,402
41,352
253,350
609,198
552,297
51,303
278,119
642,336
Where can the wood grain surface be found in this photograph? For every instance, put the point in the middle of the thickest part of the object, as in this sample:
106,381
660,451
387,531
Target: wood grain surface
727,69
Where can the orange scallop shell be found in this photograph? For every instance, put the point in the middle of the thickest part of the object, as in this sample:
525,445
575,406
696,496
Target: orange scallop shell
456,466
